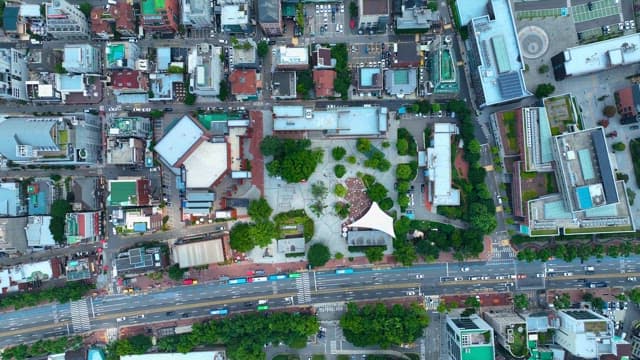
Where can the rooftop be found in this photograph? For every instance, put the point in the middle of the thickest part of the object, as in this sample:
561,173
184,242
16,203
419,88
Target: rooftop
400,81
323,81
138,259
10,203
204,252
198,355
370,78
178,140
346,121
440,191
500,70
375,7
375,219
602,55
291,245
152,7
269,11
243,82
234,14
292,56
206,164
129,80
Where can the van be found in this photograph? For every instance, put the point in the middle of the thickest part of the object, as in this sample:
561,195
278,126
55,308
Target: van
222,41
262,302
589,268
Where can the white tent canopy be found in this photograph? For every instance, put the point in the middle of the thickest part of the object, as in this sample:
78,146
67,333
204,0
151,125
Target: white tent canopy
375,219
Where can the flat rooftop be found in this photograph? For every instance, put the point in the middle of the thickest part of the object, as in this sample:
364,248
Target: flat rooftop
346,121
602,55
584,165
500,68
439,164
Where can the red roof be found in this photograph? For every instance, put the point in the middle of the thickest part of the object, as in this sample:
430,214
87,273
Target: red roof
323,80
142,190
243,82
121,14
129,80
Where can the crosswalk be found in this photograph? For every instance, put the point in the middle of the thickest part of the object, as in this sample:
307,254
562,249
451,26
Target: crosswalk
80,316
304,288
330,307
54,313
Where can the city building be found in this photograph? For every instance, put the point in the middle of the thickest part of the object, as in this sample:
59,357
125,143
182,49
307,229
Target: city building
510,330
67,139
244,53
65,21
438,175
321,58
270,17
200,159
31,21
323,80
15,278
373,15
198,203
75,88
78,269
499,76
283,85
82,227
14,74
198,250
244,84
11,200
44,92
234,16
81,59
291,245
87,191
130,126
441,63
137,220
406,55
160,16
121,55
129,85
197,14
13,239
584,333
469,338
416,17
125,151
129,192
138,260
628,103
634,338
106,21
597,56
292,58
206,70
37,232
10,19
335,122
400,82
369,81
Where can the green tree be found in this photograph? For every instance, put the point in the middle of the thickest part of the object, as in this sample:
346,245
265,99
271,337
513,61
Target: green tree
353,10
521,302
319,190
377,192
259,210
363,145
481,219
544,90
339,170
263,48
562,302
318,255
59,69
374,253
224,93
472,302
175,272
85,7
474,146
351,159
270,146
156,114
59,210
597,303
189,98
263,233
609,111
386,204
338,256
240,237
55,177
402,146
340,190
376,324
403,200
619,146
338,153
403,172
543,69
342,209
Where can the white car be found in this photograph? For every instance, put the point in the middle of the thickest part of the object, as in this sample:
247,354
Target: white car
419,276
457,278
121,319
567,274
540,275
411,293
484,278
464,269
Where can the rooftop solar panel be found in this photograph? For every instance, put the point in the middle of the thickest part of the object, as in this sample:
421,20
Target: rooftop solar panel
465,323
608,181
510,85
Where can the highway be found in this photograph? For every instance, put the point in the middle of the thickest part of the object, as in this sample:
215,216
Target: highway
310,289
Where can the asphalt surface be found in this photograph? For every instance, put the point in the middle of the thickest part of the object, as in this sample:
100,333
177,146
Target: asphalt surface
320,288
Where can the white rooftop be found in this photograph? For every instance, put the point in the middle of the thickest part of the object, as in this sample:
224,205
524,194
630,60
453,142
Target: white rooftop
346,121
500,69
293,55
439,164
206,164
375,219
178,140
602,55
234,14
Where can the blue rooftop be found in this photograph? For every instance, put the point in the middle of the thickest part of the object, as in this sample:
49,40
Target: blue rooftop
584,197
10,18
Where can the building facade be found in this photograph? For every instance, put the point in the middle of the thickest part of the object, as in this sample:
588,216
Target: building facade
14,74
197,14
160,16
65,21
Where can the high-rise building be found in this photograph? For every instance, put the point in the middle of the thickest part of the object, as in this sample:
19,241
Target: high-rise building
81,59
197,14
469,338
13,74
65,21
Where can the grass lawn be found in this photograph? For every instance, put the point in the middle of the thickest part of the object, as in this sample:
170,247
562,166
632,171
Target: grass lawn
285,222
509,121
544,232
609,229
519,344
529,195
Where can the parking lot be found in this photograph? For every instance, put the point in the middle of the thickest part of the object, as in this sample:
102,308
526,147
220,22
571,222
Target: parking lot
204,33
367,55
327,19
594,10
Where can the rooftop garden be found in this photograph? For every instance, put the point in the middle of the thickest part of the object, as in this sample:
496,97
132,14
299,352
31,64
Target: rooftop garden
517,340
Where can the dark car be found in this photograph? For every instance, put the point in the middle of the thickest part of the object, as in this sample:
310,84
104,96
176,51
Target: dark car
248,304
168,109
185,315
170,313
421,187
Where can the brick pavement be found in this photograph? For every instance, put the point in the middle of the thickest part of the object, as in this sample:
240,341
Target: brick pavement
257,163
486,299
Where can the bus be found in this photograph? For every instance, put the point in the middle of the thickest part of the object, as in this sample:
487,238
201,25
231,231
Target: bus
277,277
263,307
237,281
294,275
344,271
223,311
258,279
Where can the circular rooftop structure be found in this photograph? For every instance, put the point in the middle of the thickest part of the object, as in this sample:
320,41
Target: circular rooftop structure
534,41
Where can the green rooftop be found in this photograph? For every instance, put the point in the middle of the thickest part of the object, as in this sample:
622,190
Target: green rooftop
123,193
150,7
115,53
481,352
206,119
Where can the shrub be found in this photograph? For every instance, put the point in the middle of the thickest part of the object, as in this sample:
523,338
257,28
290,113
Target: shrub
619,146
338,153
339,170
352,159
386,204
609,111
363,145
340,190
318,255
338,256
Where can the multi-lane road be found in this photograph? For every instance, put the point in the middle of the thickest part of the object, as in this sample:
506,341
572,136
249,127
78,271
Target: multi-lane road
321,287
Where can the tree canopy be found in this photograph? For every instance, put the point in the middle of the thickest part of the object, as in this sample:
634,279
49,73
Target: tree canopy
246,236
318,255
292,159
377,324
338,153
59,210
544,90
263,48
259,210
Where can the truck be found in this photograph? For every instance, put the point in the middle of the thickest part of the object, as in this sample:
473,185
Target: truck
596,284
